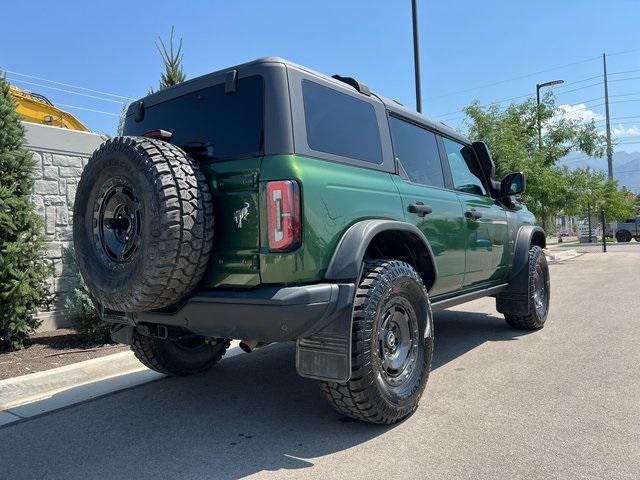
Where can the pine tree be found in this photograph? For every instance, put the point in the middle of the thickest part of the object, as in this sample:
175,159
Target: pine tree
172,59
23,267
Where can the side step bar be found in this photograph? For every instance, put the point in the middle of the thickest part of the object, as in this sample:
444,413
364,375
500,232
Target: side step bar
467,297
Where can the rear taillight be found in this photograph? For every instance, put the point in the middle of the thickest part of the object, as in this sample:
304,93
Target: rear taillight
283,215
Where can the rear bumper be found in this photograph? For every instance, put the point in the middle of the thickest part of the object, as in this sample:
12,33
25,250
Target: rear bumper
266,314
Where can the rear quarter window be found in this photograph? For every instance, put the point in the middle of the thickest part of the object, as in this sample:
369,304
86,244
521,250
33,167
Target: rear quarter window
340,124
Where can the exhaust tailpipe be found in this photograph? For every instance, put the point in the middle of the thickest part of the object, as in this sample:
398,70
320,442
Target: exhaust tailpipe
251,345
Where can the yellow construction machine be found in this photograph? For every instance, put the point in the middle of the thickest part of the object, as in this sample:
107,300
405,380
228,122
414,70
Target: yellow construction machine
37,108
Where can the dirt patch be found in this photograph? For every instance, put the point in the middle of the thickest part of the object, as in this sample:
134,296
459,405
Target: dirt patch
51,350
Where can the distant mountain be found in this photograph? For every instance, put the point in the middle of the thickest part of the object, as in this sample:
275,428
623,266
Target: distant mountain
626,167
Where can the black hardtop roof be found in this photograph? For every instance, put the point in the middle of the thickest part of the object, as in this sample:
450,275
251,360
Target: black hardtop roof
391,105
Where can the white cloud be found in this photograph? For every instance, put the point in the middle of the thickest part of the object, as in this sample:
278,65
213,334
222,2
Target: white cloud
621,131
576,112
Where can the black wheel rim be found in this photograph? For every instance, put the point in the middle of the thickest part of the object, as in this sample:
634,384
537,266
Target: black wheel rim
116,225
398,342
540,294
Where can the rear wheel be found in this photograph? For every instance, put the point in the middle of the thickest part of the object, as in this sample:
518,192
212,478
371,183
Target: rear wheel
181,357
392,345
623,236
539,294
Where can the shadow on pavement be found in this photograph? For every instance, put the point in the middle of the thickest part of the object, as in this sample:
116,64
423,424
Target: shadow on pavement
251,414
458,332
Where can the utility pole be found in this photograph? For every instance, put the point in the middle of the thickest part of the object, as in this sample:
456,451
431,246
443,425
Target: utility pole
416,54
608,119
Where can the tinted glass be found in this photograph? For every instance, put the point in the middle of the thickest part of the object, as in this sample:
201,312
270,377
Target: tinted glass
465,169
340,124
417,151
210,124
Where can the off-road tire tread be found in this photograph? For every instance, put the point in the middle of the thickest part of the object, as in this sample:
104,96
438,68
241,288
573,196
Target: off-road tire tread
350,398
185,225
149,351
530,321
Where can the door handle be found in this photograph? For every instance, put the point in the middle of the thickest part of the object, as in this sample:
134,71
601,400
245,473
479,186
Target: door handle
420,208
473,214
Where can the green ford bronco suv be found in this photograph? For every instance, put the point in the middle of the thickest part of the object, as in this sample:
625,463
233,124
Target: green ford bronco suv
268,202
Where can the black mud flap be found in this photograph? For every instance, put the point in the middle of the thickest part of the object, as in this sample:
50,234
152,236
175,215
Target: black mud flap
326,354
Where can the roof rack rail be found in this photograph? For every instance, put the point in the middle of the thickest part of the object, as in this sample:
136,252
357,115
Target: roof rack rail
358,85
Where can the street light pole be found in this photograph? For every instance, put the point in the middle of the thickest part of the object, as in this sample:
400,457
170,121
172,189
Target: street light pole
538,87
416,54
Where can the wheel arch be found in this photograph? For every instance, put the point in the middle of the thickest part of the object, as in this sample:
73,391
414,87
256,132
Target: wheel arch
379,238
511,299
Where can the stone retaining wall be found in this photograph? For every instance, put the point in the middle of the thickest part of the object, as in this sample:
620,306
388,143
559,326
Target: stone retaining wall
60,155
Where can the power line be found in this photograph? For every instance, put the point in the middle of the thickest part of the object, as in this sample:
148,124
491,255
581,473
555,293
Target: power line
87,109
624,71
537,73
65,91
624,52
620,123
581,88
624,79
575,82
625,94
68,85
517,78
628,116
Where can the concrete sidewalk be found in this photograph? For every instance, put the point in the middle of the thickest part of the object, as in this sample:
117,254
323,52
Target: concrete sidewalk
49,390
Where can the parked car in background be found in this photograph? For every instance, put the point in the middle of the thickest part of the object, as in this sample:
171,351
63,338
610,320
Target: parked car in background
625,231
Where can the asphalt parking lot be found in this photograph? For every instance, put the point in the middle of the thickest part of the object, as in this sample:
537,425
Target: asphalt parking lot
561,403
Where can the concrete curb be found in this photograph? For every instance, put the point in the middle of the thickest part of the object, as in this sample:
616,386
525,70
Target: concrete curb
42,392
556,256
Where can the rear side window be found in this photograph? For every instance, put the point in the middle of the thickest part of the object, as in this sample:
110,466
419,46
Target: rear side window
210,124
465,169
417,151
340,124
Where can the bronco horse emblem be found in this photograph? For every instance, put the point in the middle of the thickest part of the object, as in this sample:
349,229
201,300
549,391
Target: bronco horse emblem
241,215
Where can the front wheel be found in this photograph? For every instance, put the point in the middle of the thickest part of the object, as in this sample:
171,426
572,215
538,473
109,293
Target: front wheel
539,294
392,346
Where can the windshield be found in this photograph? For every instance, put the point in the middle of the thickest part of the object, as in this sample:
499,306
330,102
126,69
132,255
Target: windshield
209,123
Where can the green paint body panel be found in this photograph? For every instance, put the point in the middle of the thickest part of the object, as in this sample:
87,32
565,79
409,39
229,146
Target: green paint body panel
334,197
235,258
487,241
444,228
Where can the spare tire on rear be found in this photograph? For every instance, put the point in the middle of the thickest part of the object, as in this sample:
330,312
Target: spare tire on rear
142,224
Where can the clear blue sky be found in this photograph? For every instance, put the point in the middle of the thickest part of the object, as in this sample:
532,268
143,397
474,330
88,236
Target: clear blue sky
109,47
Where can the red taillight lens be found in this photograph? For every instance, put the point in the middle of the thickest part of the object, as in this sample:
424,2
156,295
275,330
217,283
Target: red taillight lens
283,215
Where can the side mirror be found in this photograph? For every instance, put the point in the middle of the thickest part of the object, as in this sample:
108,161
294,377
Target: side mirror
513,184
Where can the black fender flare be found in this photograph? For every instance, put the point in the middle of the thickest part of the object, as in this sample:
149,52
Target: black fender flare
346,263
514,299
326,354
